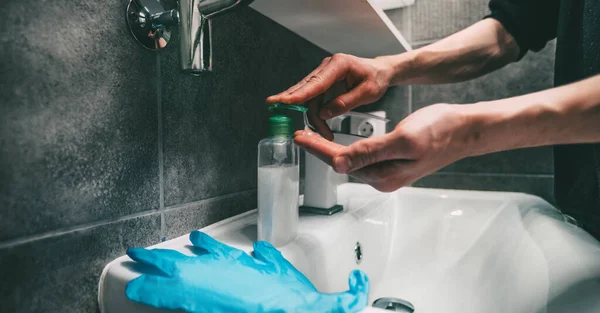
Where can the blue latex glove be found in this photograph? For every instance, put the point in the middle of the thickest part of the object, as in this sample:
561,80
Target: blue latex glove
224,279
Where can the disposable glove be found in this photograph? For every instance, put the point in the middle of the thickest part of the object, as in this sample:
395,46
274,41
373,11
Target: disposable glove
221,278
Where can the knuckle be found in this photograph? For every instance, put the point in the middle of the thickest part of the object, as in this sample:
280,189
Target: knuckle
315,79
371,89
408,142
338,57
364,154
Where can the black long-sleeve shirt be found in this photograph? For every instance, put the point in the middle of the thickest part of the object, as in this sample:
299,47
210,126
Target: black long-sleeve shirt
576,25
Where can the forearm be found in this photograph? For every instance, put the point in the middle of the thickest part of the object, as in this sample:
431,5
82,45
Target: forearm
473,52
564,115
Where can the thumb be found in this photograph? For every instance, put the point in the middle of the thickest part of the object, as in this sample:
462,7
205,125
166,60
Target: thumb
357,298
359,284
266,253
351,301
364,153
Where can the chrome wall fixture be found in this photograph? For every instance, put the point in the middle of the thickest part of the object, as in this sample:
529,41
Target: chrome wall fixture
151,24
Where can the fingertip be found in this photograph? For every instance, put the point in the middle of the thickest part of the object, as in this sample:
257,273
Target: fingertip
327,134
322,128
342,164
202,240
289,99
134,253
358,281
301,140
263,245
194,235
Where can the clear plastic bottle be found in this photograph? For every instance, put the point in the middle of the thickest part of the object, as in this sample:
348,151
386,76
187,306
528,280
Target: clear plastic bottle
278,183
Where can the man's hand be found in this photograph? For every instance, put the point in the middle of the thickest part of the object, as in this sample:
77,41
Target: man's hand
424,142
350,80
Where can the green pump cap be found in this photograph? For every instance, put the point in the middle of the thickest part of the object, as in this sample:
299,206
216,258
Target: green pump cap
279,124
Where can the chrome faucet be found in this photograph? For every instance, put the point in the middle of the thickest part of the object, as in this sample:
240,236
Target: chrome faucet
150,24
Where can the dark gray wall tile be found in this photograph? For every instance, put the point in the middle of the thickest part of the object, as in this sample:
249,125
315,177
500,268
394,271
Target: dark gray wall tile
60,273
184,219
436,19
78,119
537,160
533,73
212,123
539,185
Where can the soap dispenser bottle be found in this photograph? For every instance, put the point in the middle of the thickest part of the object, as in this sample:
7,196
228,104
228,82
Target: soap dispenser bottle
278,180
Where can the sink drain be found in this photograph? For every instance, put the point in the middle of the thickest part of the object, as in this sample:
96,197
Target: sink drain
394,304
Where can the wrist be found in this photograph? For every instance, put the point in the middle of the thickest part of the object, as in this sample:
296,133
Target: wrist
401,67
464,132
507,124
469,131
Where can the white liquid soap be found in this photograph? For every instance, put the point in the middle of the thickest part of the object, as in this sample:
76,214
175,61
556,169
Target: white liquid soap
278,190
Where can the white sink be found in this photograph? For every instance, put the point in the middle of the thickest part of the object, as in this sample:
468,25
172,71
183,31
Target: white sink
442,250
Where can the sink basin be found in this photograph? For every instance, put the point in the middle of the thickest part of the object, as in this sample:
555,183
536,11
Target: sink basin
445,251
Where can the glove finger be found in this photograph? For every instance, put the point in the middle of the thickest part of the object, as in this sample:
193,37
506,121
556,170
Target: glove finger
266,253
162,259
351,301
215,248
358,283
356,298
156,291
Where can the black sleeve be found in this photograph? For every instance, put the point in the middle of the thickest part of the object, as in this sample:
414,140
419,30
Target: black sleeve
531,22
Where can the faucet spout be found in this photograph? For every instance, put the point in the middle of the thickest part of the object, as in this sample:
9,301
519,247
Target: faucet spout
150,24
195,31
195,38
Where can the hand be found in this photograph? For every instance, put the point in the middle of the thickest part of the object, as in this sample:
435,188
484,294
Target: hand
424,142
352,81
224,279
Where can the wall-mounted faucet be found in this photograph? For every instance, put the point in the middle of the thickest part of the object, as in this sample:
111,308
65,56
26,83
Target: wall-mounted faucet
150,24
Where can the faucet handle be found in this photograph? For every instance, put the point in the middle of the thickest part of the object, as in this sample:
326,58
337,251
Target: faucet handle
149,22
165,18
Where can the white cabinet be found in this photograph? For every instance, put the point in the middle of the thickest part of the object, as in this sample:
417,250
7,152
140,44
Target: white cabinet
357,27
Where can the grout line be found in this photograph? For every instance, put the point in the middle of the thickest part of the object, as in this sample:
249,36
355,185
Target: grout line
81,227
442,173
161,180
160,135
218,198
163,226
